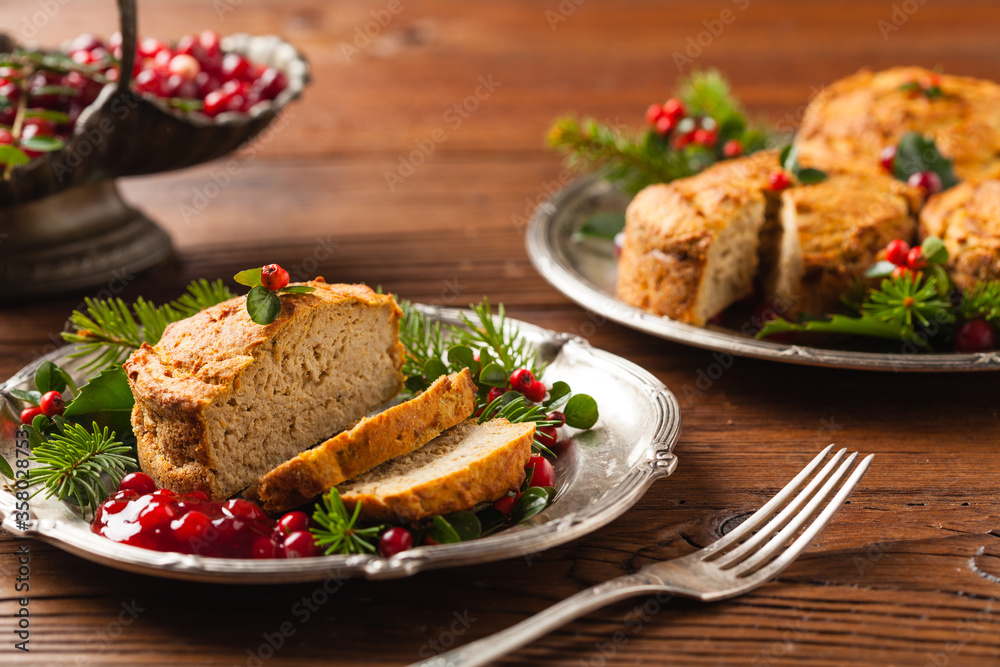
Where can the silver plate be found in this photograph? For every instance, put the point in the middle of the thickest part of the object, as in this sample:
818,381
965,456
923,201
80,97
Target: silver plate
606,471
585,272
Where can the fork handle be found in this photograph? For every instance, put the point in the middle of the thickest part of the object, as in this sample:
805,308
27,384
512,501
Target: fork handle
488,649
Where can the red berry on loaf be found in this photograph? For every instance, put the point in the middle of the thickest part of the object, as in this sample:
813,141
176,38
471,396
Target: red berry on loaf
273,277
927,181
536,392
300,544
543,474
393,541
975,336
52,403
732,148
139,482
896,252
521,379
887,158
915,259
292,522
778,180
28,414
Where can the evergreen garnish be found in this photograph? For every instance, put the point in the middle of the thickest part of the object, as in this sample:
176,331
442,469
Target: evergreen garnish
336,530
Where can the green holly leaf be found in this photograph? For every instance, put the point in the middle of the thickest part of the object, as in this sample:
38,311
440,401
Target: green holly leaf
532,501
27,395
263,305
250,277
13,155
465,524
105,399
443,532
49,377
581,412
460,356
808,175
934,251
434,368
916,153
494,375
559,391
880,269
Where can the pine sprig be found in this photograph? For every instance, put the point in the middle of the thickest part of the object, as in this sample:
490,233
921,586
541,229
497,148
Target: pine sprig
501,338
337,532
421,338
111,329
73,460
907,301
982,301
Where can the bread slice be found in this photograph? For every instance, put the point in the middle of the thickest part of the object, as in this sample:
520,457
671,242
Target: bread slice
851,120
464,466
399,430
967,218
692,247
832,232
220,400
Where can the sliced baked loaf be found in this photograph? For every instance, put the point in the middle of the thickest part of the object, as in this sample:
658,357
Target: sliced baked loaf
394,432
220,400
851,120
692,247
464,466
832,232
967,218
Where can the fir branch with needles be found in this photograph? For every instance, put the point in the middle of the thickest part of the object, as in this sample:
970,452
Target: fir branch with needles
336,531
982,301
499,336
72,461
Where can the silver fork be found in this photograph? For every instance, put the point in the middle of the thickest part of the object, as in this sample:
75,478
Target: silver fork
739,562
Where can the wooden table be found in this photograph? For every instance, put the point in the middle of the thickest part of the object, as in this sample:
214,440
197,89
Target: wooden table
906,574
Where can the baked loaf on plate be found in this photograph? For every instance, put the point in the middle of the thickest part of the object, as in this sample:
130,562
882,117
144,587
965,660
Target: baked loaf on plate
398,430
851,120
220,400
832,232
692,247
967,218
464,466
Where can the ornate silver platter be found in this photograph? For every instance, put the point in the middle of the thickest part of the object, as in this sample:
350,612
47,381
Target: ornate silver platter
603,474
584,270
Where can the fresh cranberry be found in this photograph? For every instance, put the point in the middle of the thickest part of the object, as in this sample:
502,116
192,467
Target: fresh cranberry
148,81
521,379
546,436
732,148
927,181
215,103
185,66
235,66
778,180
557,416
52,403
292,522
654,113
273,277
28,414
138,482
536,392
192,526
161,62
243,509
896,252
37,127
300,544
189,45
704,137
149,47
206,83
495,393
665,125
394,541
674,108
265,547
887,158
85,42
505,505
157,513
210,42
543,474
915,258
975,336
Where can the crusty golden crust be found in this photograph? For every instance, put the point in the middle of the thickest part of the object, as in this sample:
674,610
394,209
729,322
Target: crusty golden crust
852,119
967,218
197,364
843,223
670,228
394,432
483,480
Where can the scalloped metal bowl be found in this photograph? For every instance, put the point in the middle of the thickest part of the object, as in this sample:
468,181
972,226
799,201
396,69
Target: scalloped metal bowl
586,273
606,471
131,135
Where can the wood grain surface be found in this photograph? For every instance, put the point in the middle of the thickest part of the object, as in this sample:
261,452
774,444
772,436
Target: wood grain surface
906,575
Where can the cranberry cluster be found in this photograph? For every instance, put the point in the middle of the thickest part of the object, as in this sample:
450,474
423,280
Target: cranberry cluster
542,474
52,404
908,261
670,120
142,515
523,381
